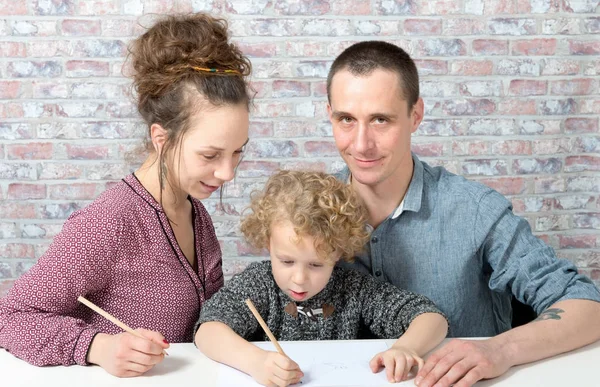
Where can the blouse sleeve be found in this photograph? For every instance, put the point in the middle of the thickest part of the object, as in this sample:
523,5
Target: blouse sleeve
37,319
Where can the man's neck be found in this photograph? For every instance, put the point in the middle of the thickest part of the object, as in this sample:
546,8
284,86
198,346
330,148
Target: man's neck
382,199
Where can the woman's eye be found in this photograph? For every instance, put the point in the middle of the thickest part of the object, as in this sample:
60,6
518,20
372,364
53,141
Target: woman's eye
209,157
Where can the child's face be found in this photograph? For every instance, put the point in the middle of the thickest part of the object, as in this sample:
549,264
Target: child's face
297,268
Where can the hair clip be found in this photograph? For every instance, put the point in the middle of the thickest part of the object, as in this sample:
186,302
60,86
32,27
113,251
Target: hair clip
207,70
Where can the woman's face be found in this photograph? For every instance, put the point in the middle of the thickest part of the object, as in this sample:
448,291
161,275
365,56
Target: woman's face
210,150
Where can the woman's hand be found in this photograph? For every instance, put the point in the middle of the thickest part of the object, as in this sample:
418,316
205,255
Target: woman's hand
397,361
276,370
126,355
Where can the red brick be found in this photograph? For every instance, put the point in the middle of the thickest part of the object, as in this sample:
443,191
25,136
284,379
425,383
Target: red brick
582,163
117,27
423,26
260,50
317,166
463,26
584,47
522,87
255,169
320,149
49,90
98,7
260,129
286,89
441,47
469,107
517,107
471,67
75,191
12,49
60,171
431,67
534,47
581,86
507,185
470,148
10,89
581,125
538,6
511,147
13,7
307,49
30,151
434,149
17,210
72,27
19,191
87,152
357,7
490,47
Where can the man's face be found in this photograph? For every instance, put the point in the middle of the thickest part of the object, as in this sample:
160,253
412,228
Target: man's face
372,125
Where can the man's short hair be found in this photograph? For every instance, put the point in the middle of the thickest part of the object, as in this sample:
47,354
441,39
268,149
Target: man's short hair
361,59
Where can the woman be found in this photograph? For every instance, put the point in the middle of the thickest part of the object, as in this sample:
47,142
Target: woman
145,251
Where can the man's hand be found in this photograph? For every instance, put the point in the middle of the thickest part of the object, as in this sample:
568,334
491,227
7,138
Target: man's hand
463,363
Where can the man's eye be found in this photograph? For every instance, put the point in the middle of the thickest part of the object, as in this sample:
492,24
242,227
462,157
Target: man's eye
346,120
380,120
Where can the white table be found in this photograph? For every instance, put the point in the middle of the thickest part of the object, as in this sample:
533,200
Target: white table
187,366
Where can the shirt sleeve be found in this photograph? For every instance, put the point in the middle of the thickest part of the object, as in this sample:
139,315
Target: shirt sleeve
387,310
521,263
228,305
38,322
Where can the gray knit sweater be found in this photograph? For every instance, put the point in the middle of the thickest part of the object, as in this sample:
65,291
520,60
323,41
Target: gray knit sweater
352,303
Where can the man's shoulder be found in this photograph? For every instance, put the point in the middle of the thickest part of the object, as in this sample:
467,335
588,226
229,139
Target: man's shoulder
446,183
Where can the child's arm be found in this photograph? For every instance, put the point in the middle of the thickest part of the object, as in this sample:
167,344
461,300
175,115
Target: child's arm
390,312
226,322
220,343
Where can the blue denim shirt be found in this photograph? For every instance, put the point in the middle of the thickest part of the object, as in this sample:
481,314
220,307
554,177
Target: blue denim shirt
459,243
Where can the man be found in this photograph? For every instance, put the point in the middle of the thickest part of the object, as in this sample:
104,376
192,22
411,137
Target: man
455,241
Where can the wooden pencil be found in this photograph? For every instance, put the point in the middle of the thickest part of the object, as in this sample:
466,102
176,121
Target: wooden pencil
111,318
264,326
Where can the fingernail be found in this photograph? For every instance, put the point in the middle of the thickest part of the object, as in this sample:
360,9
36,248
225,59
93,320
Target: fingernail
418,380
165,341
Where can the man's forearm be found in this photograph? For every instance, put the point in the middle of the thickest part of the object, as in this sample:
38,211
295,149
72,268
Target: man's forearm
563,327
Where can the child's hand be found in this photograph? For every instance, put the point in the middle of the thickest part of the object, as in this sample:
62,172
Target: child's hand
276,370
397,361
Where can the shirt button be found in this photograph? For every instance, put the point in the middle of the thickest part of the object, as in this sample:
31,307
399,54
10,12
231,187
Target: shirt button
378,273
374,239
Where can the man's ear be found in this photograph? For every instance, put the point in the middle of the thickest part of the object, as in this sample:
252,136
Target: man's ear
417,113
159,136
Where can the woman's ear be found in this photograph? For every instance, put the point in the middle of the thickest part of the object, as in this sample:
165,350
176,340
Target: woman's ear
159,136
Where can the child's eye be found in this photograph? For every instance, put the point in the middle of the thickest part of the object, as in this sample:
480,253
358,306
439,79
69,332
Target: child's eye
287,262
316,264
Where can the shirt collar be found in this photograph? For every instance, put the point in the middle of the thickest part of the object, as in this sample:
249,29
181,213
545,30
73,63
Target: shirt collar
132,181
414,194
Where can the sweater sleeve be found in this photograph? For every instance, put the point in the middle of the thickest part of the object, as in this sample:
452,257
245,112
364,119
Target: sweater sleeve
387,310
38,322
228,305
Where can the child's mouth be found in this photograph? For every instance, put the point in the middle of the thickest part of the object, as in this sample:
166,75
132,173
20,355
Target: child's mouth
298,296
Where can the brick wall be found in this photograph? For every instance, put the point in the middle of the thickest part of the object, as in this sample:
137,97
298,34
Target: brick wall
511,89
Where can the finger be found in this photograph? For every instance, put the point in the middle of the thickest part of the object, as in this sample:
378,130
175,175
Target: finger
137,368
472,377
390,364
154,336
410,362
279,381
144,345
434,358
401,364
144,358
441,368
458,371
376,363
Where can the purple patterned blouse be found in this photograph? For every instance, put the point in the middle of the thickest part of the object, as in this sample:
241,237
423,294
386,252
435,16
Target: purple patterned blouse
121,253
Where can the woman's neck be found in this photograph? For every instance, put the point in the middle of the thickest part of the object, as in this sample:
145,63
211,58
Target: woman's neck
172,199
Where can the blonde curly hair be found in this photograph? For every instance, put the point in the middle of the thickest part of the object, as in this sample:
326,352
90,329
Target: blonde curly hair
317,205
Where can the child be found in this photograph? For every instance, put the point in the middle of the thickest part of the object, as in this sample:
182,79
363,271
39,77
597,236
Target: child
308,221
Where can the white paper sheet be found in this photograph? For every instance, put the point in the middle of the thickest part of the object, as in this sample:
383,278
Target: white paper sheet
324,363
